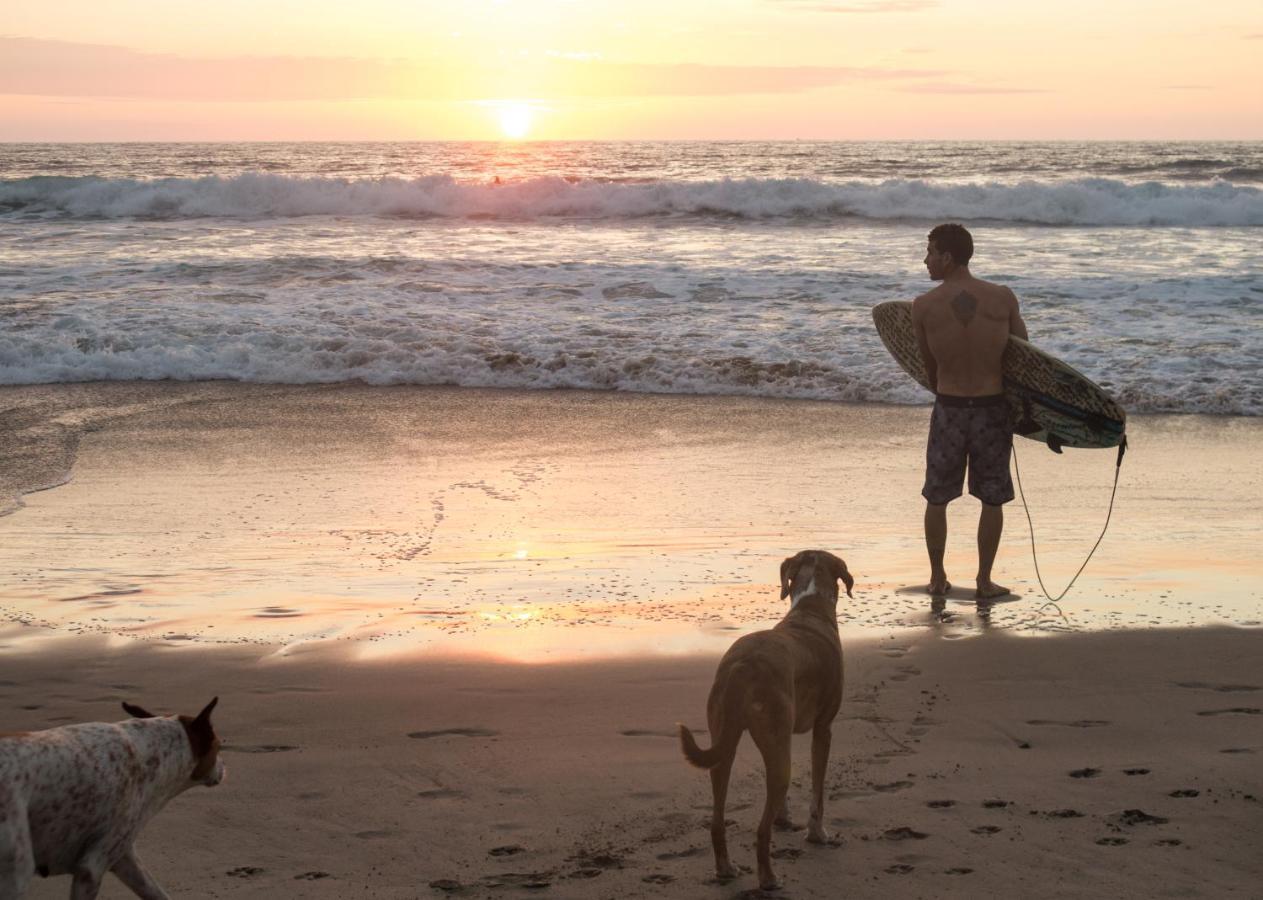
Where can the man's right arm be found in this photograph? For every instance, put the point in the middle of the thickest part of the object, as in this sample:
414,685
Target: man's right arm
923,344
1016,325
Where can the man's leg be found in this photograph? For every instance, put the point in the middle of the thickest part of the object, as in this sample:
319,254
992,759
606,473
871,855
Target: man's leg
936,544
990,527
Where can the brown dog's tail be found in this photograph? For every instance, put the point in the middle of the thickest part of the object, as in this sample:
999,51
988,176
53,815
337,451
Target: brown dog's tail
730,732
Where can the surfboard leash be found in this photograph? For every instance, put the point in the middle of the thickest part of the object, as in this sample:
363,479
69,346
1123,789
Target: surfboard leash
1118,465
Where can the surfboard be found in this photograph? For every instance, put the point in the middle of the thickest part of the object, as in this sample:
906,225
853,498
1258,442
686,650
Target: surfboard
1049,401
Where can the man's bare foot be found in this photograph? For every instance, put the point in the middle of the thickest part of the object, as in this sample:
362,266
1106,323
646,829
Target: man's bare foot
989,590
938,587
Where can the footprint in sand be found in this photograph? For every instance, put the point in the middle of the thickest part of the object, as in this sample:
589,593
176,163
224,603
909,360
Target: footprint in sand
257,748
1185,792
1058,813
1237,750
312,876
892,787
757,894
940,804
1135,771
899,869
1085,773
658,878
1232,711
995,804
507,850
1219,688
681,854
787,853
1139,817
986,829
455,732
1077,723
1111,841
599,860
529,880
244,872
903,833
959,870
1168,842
440,794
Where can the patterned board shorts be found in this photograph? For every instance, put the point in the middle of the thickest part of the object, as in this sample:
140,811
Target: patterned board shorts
973,430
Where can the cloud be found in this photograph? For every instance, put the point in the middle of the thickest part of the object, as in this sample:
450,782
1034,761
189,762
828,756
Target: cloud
942,87
861,7
30,66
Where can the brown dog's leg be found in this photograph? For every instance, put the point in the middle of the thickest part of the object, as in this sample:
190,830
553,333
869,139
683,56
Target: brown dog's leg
724,868
784,821
821,738
774,744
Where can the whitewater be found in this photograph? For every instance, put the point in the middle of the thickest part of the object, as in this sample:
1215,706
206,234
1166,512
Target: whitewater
705,268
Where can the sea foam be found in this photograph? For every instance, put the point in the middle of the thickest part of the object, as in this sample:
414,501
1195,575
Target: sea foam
1080,202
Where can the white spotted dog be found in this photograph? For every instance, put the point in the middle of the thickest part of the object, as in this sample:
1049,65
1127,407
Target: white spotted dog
73,799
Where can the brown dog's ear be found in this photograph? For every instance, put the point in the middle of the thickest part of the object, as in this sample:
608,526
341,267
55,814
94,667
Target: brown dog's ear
789,568
137,712
846,578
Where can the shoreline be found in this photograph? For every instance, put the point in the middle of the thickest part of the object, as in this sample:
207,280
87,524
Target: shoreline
514,521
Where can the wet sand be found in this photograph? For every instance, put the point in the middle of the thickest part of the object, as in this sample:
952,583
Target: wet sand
453,520
1086,765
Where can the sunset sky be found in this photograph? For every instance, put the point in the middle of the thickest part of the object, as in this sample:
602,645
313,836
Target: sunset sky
654,69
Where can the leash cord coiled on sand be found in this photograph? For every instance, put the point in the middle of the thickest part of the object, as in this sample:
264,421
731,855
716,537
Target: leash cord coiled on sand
1118,466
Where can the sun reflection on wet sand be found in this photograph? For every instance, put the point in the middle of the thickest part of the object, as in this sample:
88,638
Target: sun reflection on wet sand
535,526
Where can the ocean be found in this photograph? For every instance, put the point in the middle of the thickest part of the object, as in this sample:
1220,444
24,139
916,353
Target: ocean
738,268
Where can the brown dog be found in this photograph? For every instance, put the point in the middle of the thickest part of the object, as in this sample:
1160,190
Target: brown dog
775,684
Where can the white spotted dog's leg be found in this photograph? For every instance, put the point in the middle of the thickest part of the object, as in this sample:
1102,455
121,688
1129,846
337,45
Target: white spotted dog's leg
130,871
17,862
88,876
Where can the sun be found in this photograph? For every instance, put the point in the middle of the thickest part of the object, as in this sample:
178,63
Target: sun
515,120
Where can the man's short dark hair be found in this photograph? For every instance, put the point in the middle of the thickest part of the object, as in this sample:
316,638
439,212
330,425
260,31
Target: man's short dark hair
954,239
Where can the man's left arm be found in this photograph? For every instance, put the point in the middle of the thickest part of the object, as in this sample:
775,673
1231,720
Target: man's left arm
1016,325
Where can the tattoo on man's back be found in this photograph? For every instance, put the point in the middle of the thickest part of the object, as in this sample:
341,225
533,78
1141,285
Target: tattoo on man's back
964,305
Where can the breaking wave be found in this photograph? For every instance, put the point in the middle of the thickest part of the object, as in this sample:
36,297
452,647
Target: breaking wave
1081,202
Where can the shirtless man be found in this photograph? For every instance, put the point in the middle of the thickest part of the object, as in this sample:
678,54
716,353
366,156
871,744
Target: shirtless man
962,327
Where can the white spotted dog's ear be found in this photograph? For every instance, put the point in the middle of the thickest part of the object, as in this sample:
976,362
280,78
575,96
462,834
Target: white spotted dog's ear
789,568
204,715
137,712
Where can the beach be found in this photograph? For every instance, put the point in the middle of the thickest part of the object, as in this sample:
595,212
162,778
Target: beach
1085,765
452,630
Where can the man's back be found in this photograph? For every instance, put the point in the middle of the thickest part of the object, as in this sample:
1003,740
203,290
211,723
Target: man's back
965,324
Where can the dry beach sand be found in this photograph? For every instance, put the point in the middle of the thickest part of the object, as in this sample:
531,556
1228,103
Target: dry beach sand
1103,765
452,630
